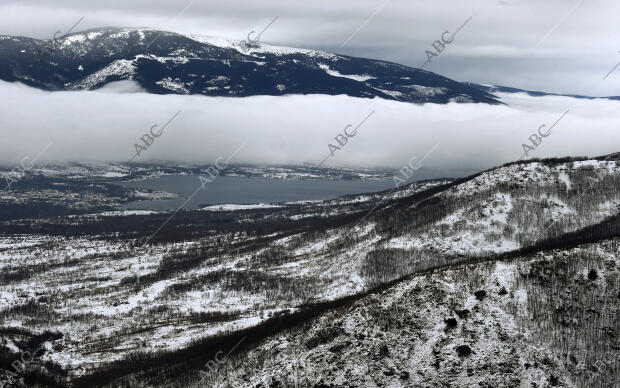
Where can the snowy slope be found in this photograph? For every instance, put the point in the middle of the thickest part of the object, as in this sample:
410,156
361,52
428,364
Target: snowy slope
168,63
508,323
109,298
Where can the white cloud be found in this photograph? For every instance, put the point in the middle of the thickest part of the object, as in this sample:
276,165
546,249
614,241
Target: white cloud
122,87
100,126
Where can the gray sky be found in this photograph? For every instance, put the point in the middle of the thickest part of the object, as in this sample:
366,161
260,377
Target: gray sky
563,46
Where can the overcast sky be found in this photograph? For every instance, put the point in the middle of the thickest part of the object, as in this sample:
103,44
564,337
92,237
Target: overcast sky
564,46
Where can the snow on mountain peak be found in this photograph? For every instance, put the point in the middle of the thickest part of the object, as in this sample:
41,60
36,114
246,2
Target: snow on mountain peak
241,46
165,62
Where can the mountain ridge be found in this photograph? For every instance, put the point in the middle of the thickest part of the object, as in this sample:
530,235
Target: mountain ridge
169,63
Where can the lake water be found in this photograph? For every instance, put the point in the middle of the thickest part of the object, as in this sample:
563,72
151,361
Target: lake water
236,190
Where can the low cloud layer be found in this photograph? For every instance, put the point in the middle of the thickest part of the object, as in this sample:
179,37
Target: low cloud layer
104,126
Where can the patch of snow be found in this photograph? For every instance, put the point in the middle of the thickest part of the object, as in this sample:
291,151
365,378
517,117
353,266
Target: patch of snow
234,207
121,68
564,178
334,73
461,99
427,91
239,45
218,79
175,85
112,174
127,213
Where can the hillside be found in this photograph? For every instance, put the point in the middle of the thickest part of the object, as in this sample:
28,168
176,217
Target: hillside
168,63
89,290
542,320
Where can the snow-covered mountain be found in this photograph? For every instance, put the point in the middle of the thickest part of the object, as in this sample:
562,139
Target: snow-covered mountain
106,307
543,320
166,62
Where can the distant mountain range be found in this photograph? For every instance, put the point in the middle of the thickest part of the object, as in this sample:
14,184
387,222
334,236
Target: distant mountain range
533,93
169,63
